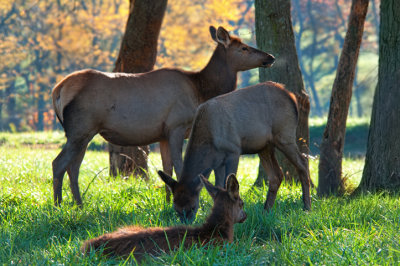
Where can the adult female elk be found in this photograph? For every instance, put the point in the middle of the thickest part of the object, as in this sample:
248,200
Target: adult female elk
139,109
227,210
255,119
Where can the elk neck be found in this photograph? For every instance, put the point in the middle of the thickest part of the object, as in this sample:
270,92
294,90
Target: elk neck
216,78
200,151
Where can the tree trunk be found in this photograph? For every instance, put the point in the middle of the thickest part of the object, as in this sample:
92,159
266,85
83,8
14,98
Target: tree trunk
274,34
382,162
2,100
331,150
12,121
137,54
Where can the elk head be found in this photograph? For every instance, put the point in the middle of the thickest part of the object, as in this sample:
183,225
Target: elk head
240,56
185,197
227,201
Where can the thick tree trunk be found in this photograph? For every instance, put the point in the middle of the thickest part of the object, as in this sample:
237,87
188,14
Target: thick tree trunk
382,162
330,164
274,34
137,54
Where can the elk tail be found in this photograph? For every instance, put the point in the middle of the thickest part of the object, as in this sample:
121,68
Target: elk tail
56,97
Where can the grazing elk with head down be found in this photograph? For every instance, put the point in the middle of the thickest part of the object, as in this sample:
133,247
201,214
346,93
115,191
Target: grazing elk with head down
139,109
255,119
227,210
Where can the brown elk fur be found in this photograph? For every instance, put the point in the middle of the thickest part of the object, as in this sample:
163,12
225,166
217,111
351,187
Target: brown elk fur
227,210
255,119
139,109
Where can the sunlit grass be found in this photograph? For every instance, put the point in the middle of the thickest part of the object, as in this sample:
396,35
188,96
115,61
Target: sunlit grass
351,121
45,139
345,230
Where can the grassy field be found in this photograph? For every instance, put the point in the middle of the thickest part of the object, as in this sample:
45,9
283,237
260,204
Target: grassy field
345,230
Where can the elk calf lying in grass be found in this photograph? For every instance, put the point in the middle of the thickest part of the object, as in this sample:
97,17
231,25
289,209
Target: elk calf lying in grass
252,120
227,210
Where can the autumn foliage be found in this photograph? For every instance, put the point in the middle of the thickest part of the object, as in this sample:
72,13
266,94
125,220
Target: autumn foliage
42,41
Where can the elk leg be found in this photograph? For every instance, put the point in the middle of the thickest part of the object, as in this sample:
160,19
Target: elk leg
167,165
60,165
220,176
292,152
58,175
274,173
73,173
69,153
175,142
231,165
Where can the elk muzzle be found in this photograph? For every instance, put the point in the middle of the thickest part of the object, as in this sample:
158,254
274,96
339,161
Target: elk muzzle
243,217
187,216
269,61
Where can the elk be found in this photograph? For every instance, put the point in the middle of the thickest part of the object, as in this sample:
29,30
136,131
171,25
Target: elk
219,227
140,109
256,119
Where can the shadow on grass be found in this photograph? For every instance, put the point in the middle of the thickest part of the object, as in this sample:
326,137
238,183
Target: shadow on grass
42,227
28,225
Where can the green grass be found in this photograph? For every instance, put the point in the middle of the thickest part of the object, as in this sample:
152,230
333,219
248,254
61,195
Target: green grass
46,139
345,230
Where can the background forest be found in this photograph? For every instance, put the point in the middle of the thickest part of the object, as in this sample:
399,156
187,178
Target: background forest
42,41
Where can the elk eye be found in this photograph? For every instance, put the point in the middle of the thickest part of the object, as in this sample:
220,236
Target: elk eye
244,48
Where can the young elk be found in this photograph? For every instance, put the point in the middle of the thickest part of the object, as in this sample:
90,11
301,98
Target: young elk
255,119
139,109
227,210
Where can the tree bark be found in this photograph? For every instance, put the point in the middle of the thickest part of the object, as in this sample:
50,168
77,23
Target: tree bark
331,150
137,54
382,162
274,34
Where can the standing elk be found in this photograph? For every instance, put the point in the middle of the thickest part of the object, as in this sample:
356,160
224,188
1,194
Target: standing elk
227,210
252,120
140,109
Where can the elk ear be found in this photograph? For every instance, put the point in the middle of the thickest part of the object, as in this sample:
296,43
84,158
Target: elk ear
212,190
223,37
167,180
232,186
213,32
